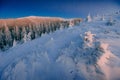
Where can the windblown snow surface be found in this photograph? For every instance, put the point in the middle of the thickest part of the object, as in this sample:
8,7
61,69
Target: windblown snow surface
90,51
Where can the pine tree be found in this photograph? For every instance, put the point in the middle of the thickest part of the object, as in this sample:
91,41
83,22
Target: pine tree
89,19
29,36
88,39
71,23
14,43
110,22
103,18
16,33
25,37
23,32
8,38
1,40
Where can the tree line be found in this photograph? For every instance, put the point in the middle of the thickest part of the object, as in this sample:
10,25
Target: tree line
10,35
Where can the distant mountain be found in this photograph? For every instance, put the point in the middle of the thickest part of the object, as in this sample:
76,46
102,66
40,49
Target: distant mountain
34,20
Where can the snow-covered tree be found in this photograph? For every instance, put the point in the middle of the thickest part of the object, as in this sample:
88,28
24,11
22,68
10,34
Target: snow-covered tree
23,32
103,18
71,23
110,22
27,37
88,39
1,40
89,19
8,38
17,33
14,43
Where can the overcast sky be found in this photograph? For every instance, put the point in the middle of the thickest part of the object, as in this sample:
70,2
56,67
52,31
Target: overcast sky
56,8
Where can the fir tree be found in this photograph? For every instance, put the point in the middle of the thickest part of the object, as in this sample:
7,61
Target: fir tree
89,19
14,43
8,38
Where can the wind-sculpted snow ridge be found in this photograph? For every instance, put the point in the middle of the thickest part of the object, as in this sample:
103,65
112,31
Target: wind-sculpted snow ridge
20,30
109,63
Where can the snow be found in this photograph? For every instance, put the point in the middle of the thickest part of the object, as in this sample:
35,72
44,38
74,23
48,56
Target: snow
63,55
107,63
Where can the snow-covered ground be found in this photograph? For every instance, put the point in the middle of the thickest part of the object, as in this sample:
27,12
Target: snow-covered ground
90,51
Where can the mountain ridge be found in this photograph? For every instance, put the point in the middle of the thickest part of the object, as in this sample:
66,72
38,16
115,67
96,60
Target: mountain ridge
29,20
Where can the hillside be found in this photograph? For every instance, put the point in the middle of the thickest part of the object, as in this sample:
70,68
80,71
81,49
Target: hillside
89,51
23,29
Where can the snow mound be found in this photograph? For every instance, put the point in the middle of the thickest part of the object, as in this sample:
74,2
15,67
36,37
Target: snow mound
107,63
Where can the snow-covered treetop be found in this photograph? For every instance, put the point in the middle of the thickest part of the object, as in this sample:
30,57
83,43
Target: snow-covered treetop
89,19
88,38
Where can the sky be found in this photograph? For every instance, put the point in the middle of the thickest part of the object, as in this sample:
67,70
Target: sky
56,8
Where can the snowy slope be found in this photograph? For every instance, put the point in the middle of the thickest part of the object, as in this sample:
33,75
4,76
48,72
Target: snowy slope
67,54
